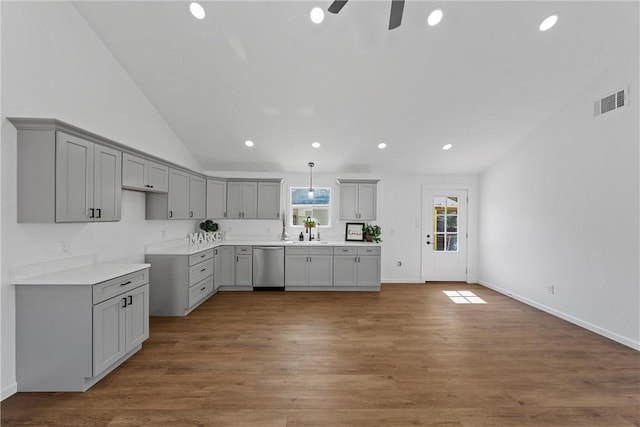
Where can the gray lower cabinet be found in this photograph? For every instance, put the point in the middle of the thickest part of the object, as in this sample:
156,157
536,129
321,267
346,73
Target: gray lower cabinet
308,266
68,337
180,283
356,266
227,257
244,266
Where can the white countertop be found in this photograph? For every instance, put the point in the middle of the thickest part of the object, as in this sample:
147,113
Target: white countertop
86,275
187,249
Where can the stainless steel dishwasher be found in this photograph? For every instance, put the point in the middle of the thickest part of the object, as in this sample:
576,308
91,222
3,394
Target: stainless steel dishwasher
268,267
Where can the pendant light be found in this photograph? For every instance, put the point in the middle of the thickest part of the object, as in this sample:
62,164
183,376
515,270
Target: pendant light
310,194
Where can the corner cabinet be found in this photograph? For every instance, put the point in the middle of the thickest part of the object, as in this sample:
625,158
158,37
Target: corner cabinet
70,335
65,174
185,199
145,175
358,200
180,282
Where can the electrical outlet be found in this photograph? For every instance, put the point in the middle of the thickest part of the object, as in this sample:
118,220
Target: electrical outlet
551,289
65,246
399,263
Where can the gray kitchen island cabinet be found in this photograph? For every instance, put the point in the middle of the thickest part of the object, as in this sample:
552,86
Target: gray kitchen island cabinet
180,282
308,266
75,326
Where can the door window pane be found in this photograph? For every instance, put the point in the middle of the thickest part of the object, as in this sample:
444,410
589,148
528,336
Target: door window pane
445,223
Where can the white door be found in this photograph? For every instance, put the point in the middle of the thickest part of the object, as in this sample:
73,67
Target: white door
444,235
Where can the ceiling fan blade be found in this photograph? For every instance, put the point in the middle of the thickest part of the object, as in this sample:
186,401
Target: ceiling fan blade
337,5
396,14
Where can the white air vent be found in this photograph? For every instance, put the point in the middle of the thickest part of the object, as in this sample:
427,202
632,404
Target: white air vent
613,101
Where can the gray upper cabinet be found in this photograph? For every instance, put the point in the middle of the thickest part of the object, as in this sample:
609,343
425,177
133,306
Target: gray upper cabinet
185,199
197,195
268,200
253,199
87,180
142,174
216,199
242,199
66,174
358,200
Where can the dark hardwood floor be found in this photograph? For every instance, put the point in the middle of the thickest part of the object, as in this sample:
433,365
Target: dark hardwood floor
402,357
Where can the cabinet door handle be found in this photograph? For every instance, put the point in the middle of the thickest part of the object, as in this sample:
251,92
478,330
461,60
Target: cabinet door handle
278,215
91,213
130,299
125,283
151,186
190,214
224,214
237,259
170,214
99,213
124,303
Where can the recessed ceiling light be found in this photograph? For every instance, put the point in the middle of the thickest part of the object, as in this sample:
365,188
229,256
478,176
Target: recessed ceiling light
317,15
248,143
382,145
315,144
197,10
548,22
434,17
447,146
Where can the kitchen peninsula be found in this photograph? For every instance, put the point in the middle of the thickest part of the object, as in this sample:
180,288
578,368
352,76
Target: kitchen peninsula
183,275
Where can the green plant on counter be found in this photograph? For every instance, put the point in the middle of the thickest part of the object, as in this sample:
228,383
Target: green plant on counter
373,233
208,226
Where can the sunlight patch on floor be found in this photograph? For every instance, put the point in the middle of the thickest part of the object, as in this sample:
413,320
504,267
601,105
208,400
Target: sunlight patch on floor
464,297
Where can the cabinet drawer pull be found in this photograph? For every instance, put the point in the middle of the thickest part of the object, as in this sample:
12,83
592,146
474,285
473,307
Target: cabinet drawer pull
130,299
203,255
203,288
203,270
125,283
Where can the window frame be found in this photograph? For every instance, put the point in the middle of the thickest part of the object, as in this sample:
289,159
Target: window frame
293,206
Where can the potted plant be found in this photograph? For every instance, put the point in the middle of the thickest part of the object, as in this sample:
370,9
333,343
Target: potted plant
372,233
208,226
310,222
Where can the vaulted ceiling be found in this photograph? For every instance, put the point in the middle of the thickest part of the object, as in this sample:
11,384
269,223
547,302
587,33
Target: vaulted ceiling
481,79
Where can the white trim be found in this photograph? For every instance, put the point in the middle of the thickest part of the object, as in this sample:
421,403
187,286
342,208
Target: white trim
564,316
8,391
409,281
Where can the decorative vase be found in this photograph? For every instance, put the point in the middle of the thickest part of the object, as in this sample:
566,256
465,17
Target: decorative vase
285,235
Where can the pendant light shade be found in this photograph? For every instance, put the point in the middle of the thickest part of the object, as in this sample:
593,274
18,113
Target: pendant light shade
311,194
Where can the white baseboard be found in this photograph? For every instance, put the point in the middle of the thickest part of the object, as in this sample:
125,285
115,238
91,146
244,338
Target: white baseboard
9,390
564,316
411,280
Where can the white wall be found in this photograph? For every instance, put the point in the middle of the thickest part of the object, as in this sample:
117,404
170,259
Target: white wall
54,66
399,215
562,209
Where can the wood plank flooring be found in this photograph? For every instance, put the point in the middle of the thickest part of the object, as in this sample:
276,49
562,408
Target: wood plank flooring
405,356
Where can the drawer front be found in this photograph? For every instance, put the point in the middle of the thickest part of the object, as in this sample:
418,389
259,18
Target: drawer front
111,288
326,250
244,250
296,251
200,271
200,290
345,251
369,251
200,256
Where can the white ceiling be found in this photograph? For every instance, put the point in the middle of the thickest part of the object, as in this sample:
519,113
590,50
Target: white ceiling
480,80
